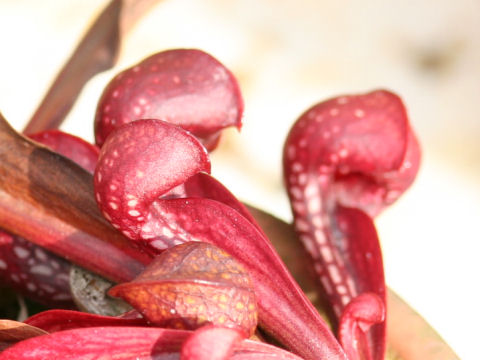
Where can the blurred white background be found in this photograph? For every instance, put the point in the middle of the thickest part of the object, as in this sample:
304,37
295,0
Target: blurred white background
287,56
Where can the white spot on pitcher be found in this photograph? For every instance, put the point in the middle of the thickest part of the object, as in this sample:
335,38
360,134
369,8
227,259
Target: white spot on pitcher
133,213
297,167
40,254
47,288
178,242
302,179
137,110
333,158
301,225
296,192
334,273
343,153
158,244
351,286
317,221
311,190
298,207
320,237
359,113
61,297
22,253
41,270
314,205
326,284
326,253
167,232
309,245
345,299
62,277
334,112
106,216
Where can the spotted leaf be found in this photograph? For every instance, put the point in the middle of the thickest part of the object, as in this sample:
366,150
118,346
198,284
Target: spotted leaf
186,87
163,218
30,269
343,159
131,174
34,272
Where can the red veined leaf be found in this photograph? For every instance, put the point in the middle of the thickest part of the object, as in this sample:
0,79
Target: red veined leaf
191,285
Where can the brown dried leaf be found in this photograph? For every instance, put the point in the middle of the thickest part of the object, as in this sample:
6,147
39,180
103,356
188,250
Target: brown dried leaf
12,332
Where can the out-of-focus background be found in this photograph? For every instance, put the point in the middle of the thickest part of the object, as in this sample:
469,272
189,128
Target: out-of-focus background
287,56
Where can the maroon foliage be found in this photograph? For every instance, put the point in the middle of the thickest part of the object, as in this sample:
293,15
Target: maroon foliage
343,159
33,271
148,159
186,87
